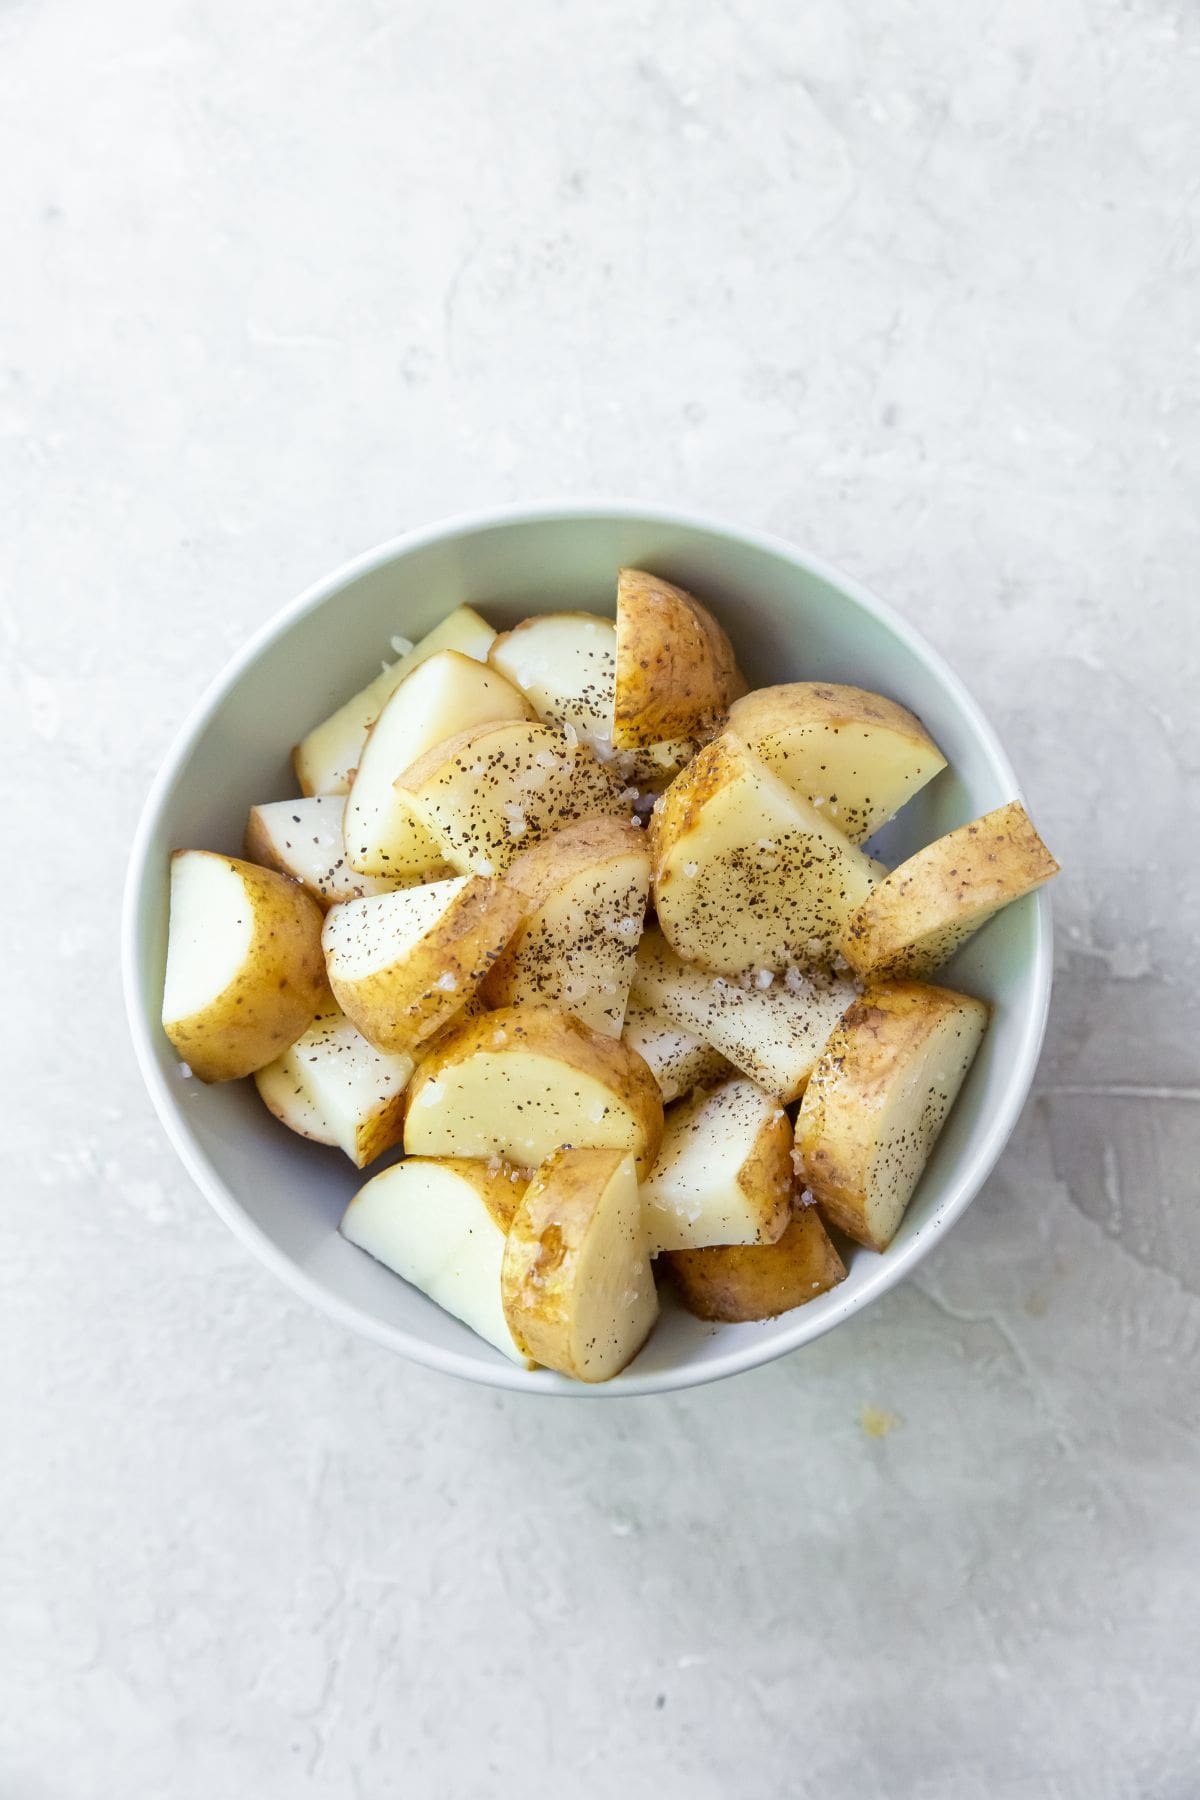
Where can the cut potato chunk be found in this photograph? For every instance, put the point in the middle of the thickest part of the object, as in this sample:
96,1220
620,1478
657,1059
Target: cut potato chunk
303,839
586,888
878,1099
853,755
677,1058
773,1033
447,694
676,671
490,793
525,1080
401,965
355,1091
566,666
724,1173
577,1286
283,1092
737,1283
443,1225
244,972
325,760
915,920
747,875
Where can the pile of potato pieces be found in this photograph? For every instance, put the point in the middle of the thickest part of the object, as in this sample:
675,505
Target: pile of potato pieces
589,929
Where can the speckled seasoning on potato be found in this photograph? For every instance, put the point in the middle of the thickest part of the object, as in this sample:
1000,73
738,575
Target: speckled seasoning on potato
585,890
573,918
878,1099
746,874
923,911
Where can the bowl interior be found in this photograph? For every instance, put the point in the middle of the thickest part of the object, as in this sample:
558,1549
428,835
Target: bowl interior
789,620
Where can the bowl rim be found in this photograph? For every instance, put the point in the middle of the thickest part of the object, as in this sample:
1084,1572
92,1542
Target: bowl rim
804,1328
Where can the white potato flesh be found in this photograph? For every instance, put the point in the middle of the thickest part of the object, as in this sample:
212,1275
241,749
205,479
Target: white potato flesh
878,1099
491,792
748,875
326,758
361,940
212,926
521,1082
283,1092
854,755
724,1172
577,1285
565,664
303,839
773,1033
578,949
442,1227
446,694
678,1059
356,1091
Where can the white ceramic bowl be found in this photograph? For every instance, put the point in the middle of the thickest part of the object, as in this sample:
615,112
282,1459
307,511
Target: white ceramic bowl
791,617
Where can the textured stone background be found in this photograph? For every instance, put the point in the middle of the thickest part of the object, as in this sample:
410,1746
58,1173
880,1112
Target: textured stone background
918,286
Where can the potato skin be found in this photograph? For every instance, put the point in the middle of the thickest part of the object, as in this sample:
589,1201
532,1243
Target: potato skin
561,1037
543,1280
837,1126
679,810
734,1283
916,918
676,669
278,991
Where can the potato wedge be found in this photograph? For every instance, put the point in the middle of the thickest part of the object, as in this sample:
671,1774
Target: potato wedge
244,972
724,1173
746,874
282,1092
334,1076
442,1225
914,921
525,1080
401,965
678,1060
566,666
736,1283
443,696
303,839
326,758
853,755
490,793
878,1099
772,1033
676,671
586,888
576,1281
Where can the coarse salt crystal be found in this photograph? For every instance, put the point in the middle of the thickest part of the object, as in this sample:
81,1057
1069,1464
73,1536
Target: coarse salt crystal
807,1197
764,978
516,819
485,866
690,869
401,645
629,927
446,982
